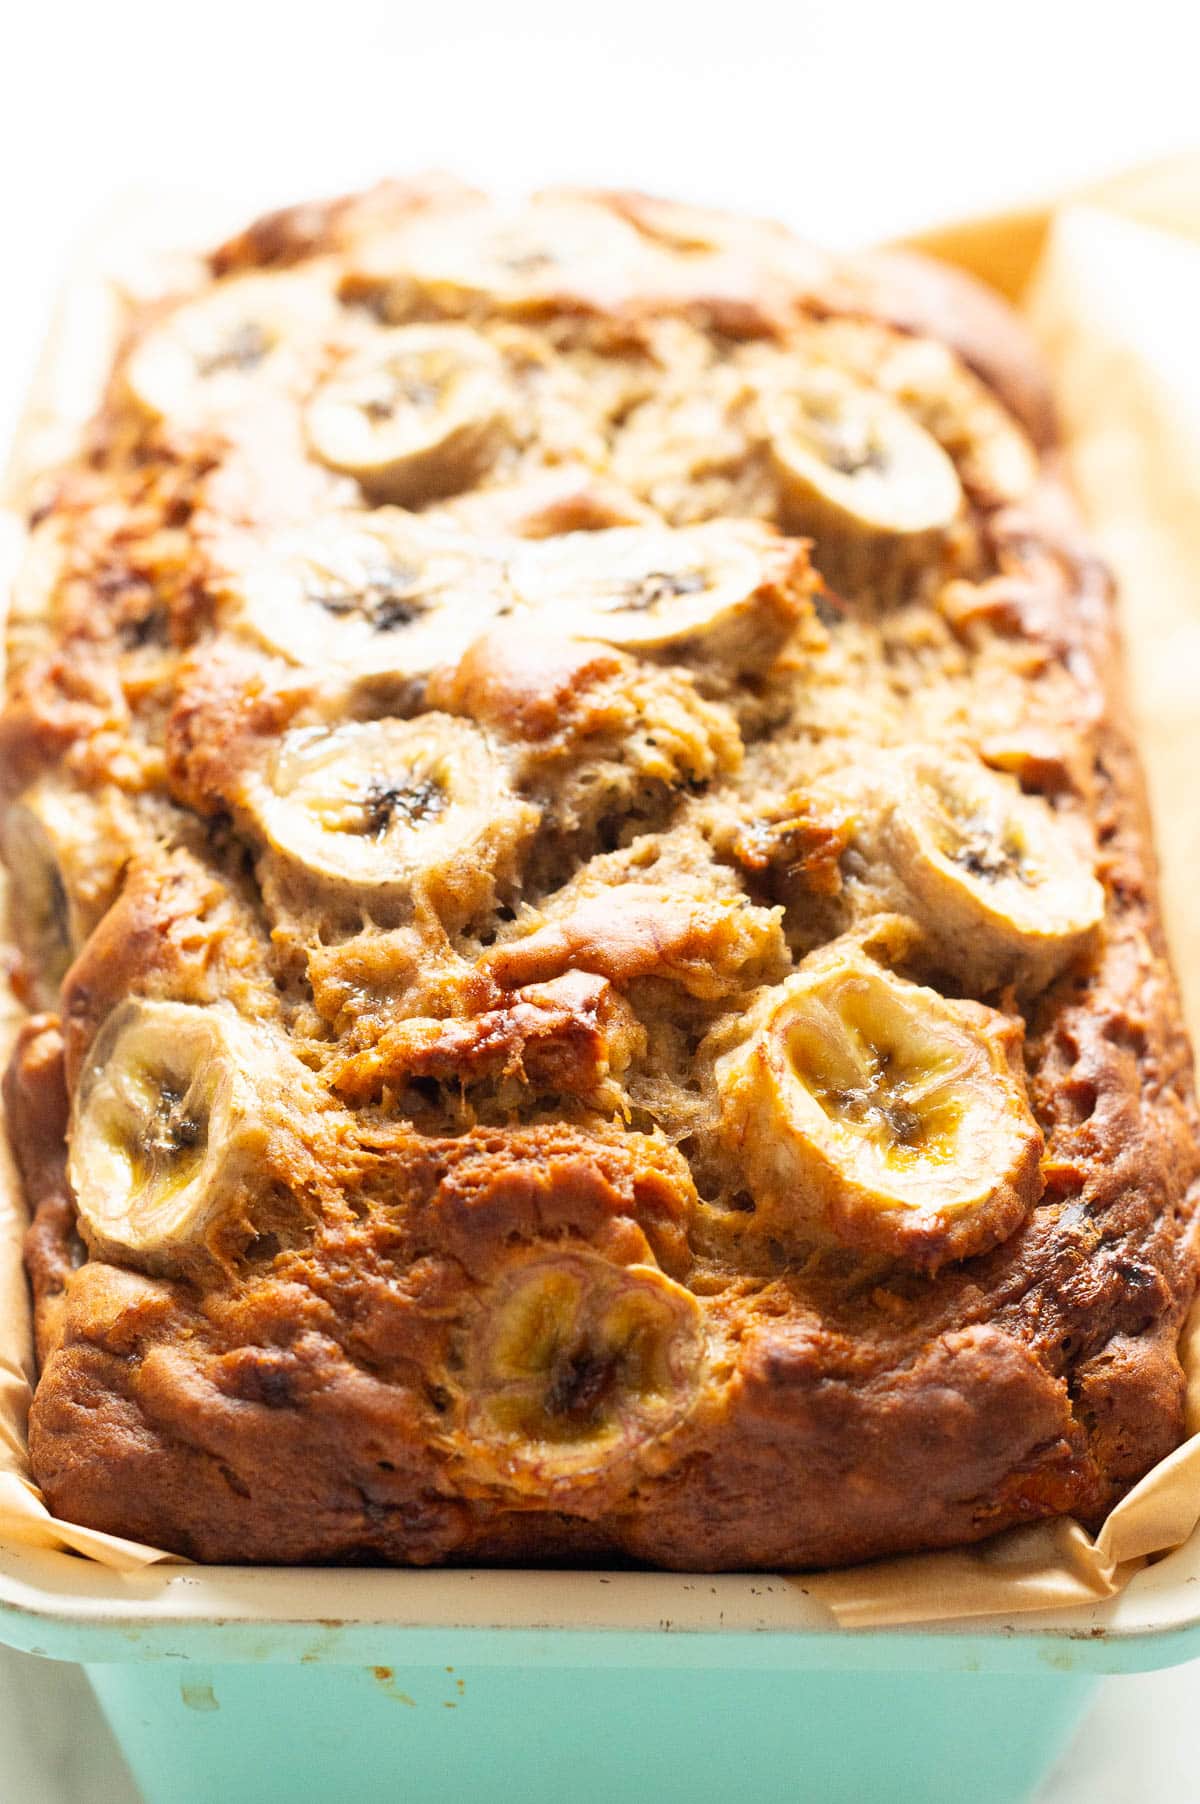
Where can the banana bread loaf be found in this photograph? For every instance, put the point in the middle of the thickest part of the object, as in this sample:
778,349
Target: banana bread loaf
586,898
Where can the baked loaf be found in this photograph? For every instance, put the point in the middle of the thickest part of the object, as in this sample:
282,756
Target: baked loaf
602,988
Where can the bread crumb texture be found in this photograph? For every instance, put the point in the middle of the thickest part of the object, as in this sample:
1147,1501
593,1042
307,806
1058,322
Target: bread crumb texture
575,849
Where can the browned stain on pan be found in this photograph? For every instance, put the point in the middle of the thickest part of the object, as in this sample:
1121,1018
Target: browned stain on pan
385,1678
198,1696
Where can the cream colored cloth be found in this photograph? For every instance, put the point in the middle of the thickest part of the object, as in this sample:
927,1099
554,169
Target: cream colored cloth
1112,284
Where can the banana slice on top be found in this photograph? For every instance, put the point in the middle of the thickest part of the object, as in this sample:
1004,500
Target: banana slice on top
998,464
205,359
852,464
381,812
381,594
996,461
422,411
733,587
1003,886
183,1121
868,1110
65,852
44,922
575,1363
525,259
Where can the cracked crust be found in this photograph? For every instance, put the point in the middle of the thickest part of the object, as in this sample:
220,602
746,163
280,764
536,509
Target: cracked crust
537,1091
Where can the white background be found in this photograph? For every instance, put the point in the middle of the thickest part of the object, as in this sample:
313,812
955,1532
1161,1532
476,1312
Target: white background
851,118
853,121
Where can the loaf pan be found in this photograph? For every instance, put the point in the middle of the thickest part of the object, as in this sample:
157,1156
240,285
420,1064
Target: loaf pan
224,1684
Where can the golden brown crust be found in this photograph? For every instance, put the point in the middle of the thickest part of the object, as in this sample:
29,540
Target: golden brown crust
290,234
36,1105
499,864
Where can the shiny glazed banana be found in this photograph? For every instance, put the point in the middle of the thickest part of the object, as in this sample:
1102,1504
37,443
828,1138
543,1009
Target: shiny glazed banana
181,1122
869,1110
1004,888
383,812
422,411
852,464
383,594
205,359
575,1363
734,588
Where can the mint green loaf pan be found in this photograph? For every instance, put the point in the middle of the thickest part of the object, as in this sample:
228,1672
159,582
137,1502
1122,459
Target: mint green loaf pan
275,1685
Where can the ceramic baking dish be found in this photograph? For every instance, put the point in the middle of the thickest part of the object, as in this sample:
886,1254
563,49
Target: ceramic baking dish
358,1686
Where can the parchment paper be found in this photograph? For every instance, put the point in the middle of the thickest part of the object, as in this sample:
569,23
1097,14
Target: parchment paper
1111,281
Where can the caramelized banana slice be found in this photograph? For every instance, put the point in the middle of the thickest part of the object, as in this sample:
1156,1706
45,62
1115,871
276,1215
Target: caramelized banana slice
526,259
576,1364
43,919
421,412
852,464
65,852
382,811
208,356
1003,886
386,594
732,587
998,464
868,1110
183,1117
